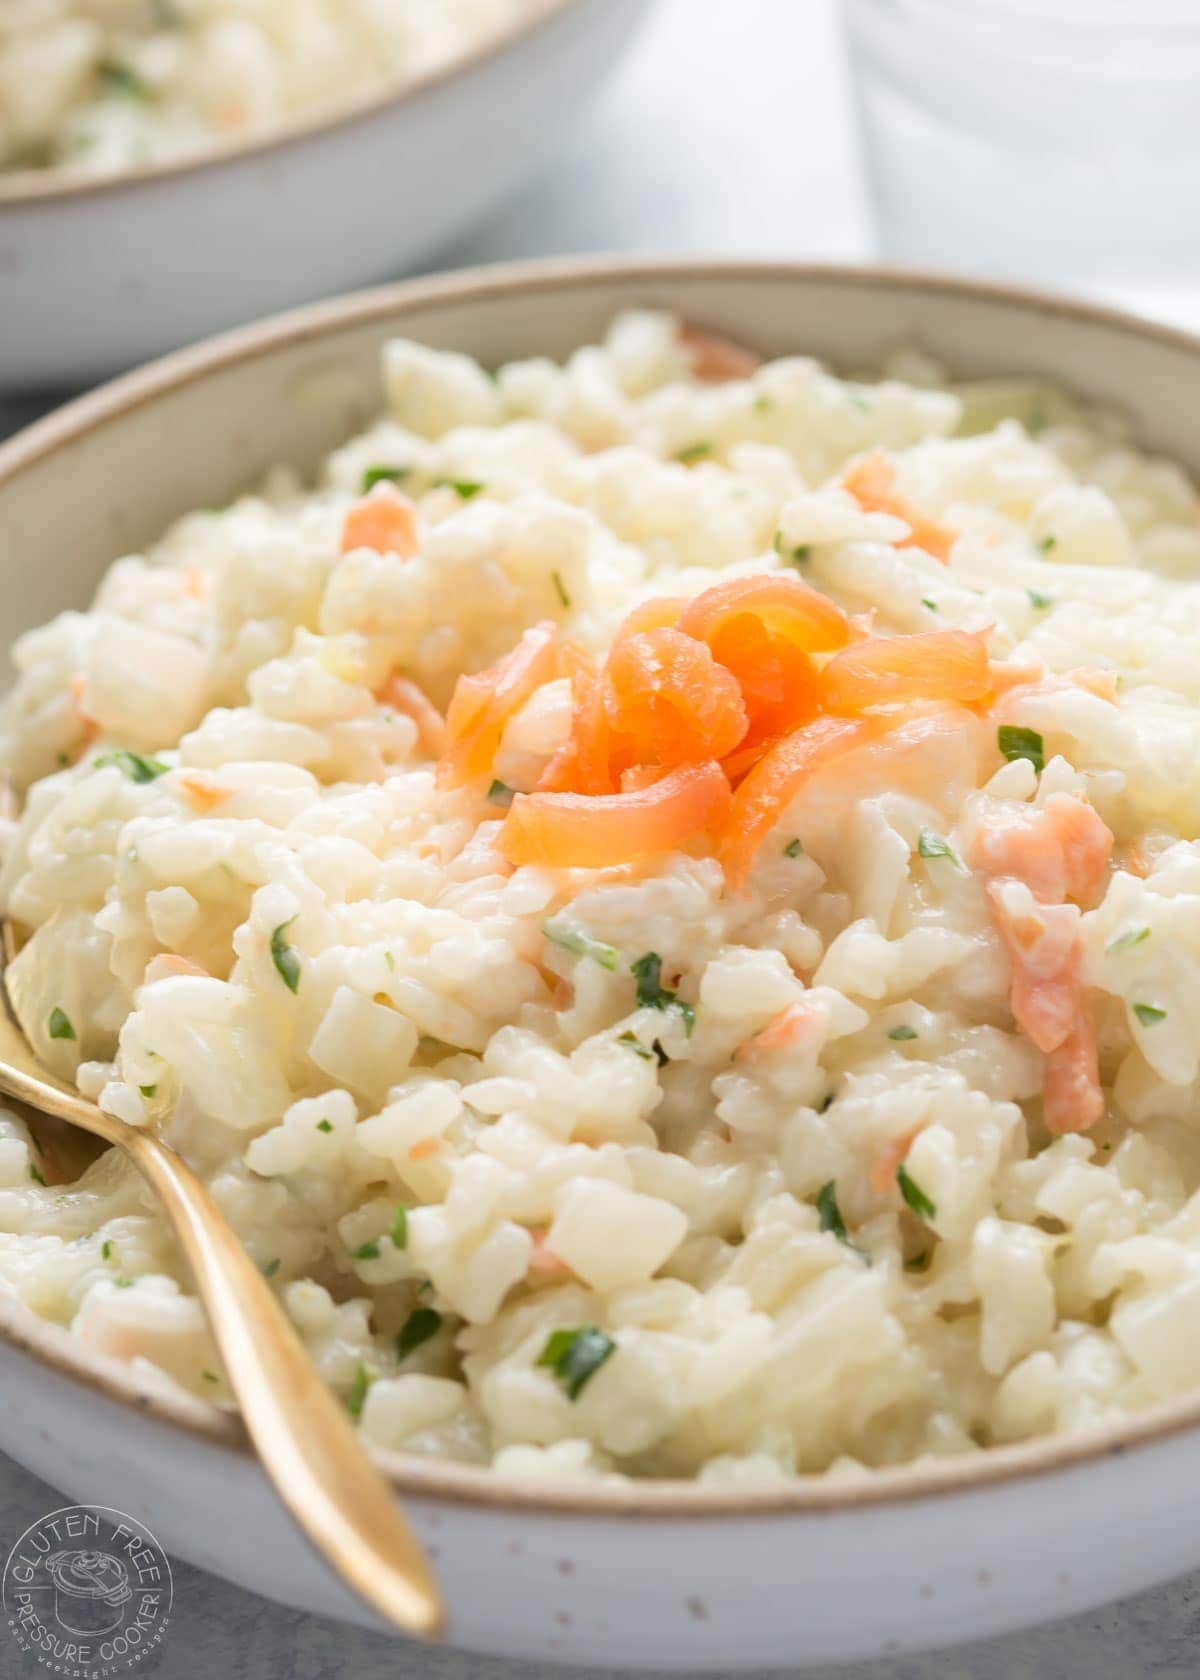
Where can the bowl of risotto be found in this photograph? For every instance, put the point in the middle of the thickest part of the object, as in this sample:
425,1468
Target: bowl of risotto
638,824
205,161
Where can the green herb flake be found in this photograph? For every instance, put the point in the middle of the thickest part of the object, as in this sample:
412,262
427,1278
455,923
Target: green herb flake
560,589
358,1391
501,794
1038,600
383,475
135,765
800,554
1127,940
830,1213
632,1042
793,849
418,1327
285,957
694,452
857,400
651,993
926,602
580,944
1015,743
122,79
1149,1014
106,1249
122,1283
930,844
576,1355
62,759
399,1227
366,1251
465,487
270,1267
37,1175
324,1125
60,1024
918,1263
916,1198
210,1376
1047,545
902,1034
762,404
148,1091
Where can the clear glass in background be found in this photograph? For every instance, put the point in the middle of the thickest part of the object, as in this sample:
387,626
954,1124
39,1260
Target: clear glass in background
1056,141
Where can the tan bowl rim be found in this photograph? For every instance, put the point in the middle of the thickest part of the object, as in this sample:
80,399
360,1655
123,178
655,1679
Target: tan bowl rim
28,188
477,1486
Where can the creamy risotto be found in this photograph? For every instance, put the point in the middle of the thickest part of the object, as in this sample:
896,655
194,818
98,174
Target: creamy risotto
661,897
105,85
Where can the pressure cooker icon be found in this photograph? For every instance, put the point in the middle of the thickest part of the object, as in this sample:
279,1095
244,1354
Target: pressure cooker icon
91,1590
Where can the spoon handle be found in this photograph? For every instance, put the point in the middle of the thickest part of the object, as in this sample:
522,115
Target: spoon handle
302,1434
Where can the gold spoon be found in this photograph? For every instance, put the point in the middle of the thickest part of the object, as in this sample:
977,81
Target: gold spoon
303,1436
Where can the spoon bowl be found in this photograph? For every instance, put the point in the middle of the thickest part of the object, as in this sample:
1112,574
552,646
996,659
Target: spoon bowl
304,1439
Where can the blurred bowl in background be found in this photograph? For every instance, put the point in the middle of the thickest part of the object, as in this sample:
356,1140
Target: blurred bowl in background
99,273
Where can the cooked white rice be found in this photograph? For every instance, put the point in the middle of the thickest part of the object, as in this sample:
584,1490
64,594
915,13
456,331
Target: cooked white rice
101,86
442,1053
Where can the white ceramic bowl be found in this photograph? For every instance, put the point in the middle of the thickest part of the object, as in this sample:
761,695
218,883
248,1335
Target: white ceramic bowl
651,1574
96,275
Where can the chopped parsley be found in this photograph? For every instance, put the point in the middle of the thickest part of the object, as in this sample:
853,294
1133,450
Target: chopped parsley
119,78
122,1283
285,957
1015,742
465,487
916,1198
1047,545
762,403
62,759
793,848
795,556
501,794
560,588
632,1042
858,401
418,1327
106,1249
930,844
358,1391
576,1355
148,1091
918,1262
580,945
652,994
1038,600
1149,1014
902,1034
830,1213
60,1024
366,1251
383,475
135,765
399,1227
210,1376
1127,940
324,1125
694,452
37,1175
926,602
269,1268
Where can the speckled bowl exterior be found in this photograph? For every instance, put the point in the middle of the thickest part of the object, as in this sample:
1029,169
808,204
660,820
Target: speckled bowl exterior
650,1574
99,274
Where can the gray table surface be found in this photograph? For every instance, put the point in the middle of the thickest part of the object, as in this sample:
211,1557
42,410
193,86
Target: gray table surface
734,137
